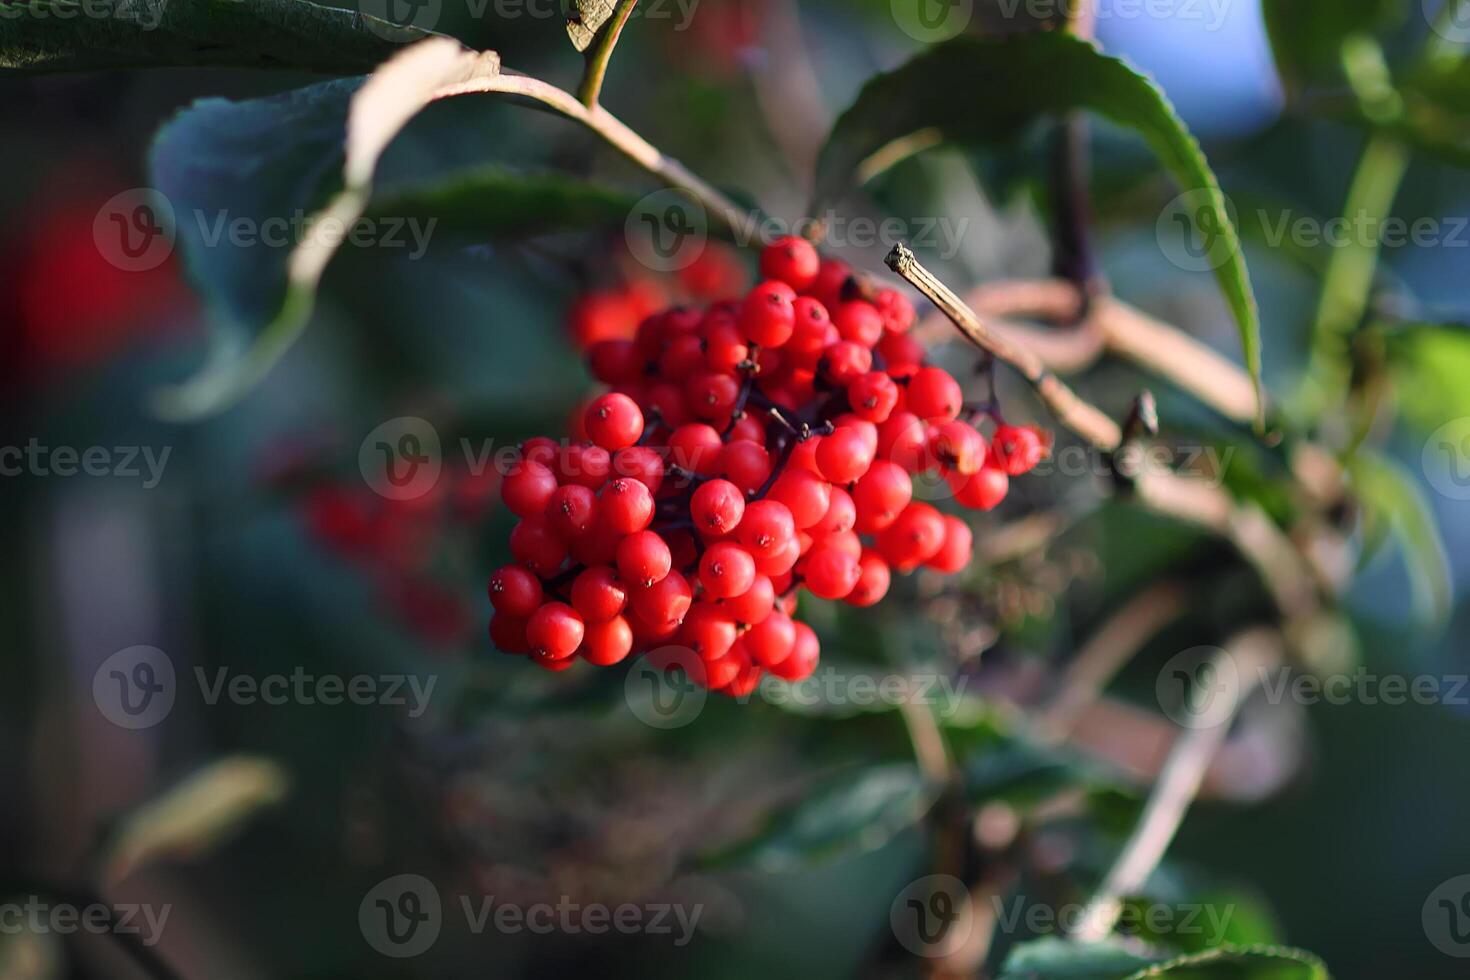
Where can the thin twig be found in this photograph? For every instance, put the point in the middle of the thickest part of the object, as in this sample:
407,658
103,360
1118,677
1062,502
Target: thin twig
1244,659
1083,418
599,55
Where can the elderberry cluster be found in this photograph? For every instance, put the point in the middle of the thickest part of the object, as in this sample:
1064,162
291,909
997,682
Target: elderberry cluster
742,451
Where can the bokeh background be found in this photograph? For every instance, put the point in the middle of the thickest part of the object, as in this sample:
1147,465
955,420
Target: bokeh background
261,549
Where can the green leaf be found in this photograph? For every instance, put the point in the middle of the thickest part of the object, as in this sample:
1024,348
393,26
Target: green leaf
1060,959
312,153
85,35
1307,35
495,200
1391,498
852,812
989,89
1429,364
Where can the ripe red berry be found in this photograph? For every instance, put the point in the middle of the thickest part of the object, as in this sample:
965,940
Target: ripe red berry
766,527
983,490
598,594
570,511
753,605
804,493
584,464
724,348
792,260
534,544
726,570
1017,448
665,601
802,661
859,321
540,450
882,493
829,572
954,554
695,447
873,580
644,558
844,455
933,395
771,641
745,464
527,488
810,326
625,506
712,396
515,591
841,515
717,507
844,362
898,312
615,362
709,630
554,631
873,396
607,642
768,317
913,538
640,463
957,446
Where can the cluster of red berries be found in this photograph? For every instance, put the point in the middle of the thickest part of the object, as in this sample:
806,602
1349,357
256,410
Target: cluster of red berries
743,450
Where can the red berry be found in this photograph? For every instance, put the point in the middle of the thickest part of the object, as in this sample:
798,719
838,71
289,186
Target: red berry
933,395
644,558
859,321
540,450
570,511
913,538
695,448
615,362
811,323
724,348
805,494
954,554
844,362
534,544
598,594
754,605
898,349
712,396
554,631
527,488
1017,448
841,515
829,572
709,630
882,493
607,642
792,260
745,464
898,312
832,277
665,601
873,580
584,464
805,651
726,570
873,396
767,317
766,527
983,490
957,446
844,455
641,463
771,641
625,506
717,507
515,592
